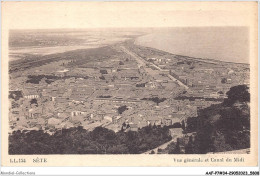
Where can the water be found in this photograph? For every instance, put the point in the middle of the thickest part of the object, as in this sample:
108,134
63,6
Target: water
229,44
52,41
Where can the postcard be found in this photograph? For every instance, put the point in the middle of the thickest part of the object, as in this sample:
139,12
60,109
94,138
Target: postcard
129,84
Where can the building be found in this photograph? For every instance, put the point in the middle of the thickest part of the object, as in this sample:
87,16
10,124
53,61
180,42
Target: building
81,95
52,122
30,94
61,73
77,113
133,127
176,132
167,122
153,121
63,115
110,119
118,119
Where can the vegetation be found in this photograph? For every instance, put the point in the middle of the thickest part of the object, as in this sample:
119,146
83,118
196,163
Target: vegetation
80,141
238,93
102,77
222,127
103,71
121,109
157,100
79,56
104,96
197,98
140,85
34,101
16,95
35,79
224,80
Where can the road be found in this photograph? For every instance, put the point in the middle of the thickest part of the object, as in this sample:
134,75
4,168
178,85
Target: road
142,62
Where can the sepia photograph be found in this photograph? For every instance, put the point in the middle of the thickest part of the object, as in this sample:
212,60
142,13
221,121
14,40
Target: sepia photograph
115,89
129,91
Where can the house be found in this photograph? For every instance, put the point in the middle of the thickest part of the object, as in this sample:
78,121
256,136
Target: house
70,80
229,81
67,125
133,127
160,78
214,95
63,115
129,74
41,121
176,132
81,94
167,122
177,117
52,122
141,124
77,113
61,73
110,119
78,120
151,85
35,113
61,100
118,119
153,121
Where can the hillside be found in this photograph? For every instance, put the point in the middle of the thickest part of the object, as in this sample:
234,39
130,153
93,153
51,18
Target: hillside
222,127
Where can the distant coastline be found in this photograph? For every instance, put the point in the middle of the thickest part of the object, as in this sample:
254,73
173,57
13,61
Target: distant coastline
224,44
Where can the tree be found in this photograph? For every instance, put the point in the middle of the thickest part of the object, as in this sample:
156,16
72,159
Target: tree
121,109
77,140
150,125
102,77
220,144
191,124
140,85
183,125
177,149
127,126
224,80
34,101
158,100
189,146
220,92
154,126
238,93
177,125
103,71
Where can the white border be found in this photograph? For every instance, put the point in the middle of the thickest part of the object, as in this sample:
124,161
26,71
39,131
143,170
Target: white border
125,170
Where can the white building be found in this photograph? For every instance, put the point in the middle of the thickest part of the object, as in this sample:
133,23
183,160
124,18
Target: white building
30,94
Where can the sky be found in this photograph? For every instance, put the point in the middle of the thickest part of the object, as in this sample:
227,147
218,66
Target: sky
84,15
42,15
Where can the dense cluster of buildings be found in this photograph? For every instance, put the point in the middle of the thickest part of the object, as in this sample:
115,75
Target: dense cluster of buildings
69,95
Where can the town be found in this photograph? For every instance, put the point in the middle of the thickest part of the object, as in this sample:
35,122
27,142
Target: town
119,87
